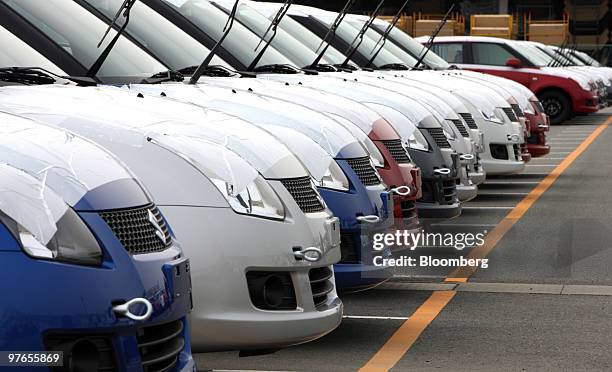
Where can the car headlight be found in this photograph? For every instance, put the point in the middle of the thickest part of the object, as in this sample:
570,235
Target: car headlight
334,178
72,243
417,141
584,84
256,199
493,117
448,130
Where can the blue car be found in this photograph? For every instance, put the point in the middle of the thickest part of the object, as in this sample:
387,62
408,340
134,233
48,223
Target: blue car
89,266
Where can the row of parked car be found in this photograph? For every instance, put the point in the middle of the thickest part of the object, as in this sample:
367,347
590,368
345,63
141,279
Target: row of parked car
234,158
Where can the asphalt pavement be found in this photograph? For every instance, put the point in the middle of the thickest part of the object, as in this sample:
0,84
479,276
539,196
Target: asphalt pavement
543,303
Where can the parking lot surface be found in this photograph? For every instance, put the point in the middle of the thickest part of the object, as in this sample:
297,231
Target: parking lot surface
544,302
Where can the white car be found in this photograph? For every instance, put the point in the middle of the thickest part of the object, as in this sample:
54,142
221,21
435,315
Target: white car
261,240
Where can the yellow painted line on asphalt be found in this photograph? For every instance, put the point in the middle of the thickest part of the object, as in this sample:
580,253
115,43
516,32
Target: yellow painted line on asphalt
406,335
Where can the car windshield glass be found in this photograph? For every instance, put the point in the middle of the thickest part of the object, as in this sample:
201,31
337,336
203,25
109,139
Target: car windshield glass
588,59
414,47
160,37
286,44
240,42
533,54
568,55
78,32
311,41
16,53
348,32
389,46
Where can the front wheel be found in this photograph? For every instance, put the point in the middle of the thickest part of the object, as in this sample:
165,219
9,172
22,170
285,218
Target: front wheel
557,106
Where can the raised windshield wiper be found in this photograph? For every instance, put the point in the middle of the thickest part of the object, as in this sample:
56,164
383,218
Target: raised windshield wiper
125,8
200,70
164,76
331,33
433,36
383,38
214,71
272,27
359,38
38,76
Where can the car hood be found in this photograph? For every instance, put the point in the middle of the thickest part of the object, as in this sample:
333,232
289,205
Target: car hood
117,115
49,169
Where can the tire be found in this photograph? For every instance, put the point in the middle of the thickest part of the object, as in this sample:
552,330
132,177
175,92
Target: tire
557,106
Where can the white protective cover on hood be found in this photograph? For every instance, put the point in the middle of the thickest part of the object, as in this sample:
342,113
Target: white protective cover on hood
31,204
117,115
55,160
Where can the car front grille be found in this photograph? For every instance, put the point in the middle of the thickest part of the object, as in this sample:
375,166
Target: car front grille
397,150
141,230
349,249
442,192
517,110
321,285
304,194
160,346
439,138
461,128
510,113
271,290
517,152
364,170
469,120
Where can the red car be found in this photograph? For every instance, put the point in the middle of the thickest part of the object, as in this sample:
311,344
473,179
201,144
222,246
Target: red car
562,92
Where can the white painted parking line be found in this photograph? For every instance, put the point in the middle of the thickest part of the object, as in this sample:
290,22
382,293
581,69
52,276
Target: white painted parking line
374,317
518,288
541,165
550,158
465,224
412,278
484,208
487,182
559,152
502,193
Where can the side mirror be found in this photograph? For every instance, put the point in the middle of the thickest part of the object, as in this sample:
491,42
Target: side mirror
514,63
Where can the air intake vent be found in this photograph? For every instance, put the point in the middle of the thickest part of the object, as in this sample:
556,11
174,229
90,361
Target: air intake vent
349,249
141,230
469,120
517,110
397,150
304,194
320,284
510,113
461,128
160,346
439,138
364,170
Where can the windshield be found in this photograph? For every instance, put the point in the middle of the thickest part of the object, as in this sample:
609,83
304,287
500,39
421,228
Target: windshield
283,42
412,46
311,41
78,32
16,53
348,32
587,58
240,42
568,55
534,54
164,40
